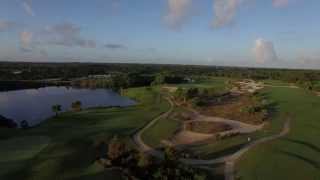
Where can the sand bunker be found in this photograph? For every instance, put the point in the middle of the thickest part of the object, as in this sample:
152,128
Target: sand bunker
188,137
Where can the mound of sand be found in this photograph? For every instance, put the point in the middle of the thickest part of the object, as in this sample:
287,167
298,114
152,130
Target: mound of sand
188,137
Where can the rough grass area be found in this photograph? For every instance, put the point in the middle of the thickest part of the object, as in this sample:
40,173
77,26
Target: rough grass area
71,152
230,145
235,108
296,156
162,130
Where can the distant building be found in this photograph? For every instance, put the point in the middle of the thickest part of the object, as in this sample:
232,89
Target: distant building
16,72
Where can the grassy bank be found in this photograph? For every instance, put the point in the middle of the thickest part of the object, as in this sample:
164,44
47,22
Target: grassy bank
63,147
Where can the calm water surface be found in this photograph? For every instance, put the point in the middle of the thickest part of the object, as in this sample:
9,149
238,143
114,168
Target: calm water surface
34,105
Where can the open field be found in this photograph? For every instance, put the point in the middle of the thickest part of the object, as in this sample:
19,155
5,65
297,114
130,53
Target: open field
218,83
63,146
296,156
162,130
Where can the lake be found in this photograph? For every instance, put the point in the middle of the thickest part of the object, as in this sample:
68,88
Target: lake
35,105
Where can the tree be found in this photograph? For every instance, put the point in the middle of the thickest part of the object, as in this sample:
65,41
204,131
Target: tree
24,124
56,109
76,106
116,149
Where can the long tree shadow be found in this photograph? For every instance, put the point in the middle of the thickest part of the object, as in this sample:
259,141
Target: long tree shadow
225,152
297,156
309,145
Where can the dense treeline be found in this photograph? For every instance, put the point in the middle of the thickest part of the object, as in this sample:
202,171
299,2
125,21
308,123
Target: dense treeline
66,71
16,85
117,81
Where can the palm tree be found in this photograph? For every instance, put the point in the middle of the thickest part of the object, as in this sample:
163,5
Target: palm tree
56,109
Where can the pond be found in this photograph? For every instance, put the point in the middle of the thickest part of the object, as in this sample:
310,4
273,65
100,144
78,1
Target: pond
35,105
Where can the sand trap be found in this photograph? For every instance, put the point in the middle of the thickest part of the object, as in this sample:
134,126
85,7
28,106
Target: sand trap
189,137
171,89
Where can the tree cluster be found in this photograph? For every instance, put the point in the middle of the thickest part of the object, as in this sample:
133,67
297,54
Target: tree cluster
135,165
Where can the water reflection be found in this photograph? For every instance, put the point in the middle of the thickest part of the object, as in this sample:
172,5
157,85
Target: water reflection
35,105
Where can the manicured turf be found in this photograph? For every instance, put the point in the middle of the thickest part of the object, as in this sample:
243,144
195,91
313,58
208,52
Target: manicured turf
71,153
296,156
15,152
219,83
162,130
276,83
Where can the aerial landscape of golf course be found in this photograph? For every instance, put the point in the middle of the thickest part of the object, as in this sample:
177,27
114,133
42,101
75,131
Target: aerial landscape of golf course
276,143
159,90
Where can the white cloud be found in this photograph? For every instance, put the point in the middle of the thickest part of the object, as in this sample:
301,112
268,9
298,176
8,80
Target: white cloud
178,11
308,59
264,51
28,7
6,25
66,34
25,40
280,3
224,11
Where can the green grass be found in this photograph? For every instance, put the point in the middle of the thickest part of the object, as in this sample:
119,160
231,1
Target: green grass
15,152
219,83
70,154
162,130
296,156
276,83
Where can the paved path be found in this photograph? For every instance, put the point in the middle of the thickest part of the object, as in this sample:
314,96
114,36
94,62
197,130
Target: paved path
237,126
143,147
229,160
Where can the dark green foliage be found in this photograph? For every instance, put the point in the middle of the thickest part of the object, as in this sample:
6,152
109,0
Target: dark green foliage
24,124
5,122
135,165
167,78
56,109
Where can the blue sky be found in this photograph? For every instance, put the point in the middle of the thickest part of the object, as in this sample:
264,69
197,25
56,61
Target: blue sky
266,33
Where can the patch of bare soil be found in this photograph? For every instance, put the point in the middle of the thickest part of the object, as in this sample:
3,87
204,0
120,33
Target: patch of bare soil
235,108
206,127
183,116
170,89
189,137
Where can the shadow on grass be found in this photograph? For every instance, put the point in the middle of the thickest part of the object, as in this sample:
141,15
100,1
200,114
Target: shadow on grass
226,151
105,174
309,145
304,159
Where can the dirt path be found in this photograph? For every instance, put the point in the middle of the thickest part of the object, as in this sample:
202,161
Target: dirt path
229,160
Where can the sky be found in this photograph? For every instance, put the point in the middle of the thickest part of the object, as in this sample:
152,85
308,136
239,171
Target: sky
258,33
